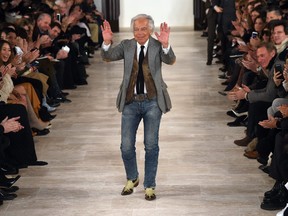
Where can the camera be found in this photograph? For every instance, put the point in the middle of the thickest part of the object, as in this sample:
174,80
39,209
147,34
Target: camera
254,34
58,17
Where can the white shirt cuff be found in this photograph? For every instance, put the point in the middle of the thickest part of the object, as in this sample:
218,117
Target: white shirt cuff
285,85
166,50
105,47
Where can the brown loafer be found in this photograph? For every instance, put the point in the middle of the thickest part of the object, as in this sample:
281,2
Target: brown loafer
251,154
243,142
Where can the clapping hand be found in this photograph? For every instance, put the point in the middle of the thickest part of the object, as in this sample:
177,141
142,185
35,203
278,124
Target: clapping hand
238,92
284,110
3,70
11,125
271,122
11,70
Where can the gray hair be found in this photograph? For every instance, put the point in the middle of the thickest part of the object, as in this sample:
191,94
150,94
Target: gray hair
42,16
143,16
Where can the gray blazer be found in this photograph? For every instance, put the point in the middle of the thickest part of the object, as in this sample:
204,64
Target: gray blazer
126,50
266,94
270,92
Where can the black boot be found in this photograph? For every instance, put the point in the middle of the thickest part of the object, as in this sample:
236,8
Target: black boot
276,202
7,196
275,190
45,115
243,106
8,169
8,182
239,121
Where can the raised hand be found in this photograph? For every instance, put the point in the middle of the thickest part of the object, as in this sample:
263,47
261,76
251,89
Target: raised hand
16,60
163,37
106,32
218,9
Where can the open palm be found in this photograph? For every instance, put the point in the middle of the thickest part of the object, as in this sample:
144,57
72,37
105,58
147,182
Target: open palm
163,37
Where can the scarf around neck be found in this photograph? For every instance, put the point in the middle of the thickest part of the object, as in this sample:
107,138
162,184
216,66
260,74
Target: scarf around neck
281,46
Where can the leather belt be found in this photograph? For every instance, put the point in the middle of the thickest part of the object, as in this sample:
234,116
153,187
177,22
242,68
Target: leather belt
140,97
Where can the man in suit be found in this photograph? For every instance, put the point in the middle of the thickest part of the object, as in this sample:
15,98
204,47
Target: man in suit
268,54
46,66
143,94
212,10
225,18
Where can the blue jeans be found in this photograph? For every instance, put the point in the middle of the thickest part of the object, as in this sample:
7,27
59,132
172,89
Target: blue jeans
132,114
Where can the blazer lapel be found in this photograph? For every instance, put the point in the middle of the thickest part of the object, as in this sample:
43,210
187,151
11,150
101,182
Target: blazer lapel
129,58
152,52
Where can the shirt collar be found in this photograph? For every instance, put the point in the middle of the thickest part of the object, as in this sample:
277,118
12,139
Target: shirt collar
146,45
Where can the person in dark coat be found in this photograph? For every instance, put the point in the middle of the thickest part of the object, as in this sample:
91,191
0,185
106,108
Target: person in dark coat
21,150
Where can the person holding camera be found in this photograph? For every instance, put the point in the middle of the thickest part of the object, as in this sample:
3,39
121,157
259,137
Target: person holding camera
261,99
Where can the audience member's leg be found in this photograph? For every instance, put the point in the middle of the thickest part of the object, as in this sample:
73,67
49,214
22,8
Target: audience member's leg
21,150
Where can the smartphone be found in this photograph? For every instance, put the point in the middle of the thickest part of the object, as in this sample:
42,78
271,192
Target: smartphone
279,68
254,34
58,17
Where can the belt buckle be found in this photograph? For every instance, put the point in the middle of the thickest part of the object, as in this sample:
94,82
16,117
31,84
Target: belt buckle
140,97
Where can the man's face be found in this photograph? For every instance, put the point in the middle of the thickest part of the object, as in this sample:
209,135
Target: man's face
141,30
62,7
264,56
272,16
44,23
77,12
12,38
54,32
278,34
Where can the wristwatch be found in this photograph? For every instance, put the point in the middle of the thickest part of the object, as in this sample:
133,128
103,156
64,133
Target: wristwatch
246,96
